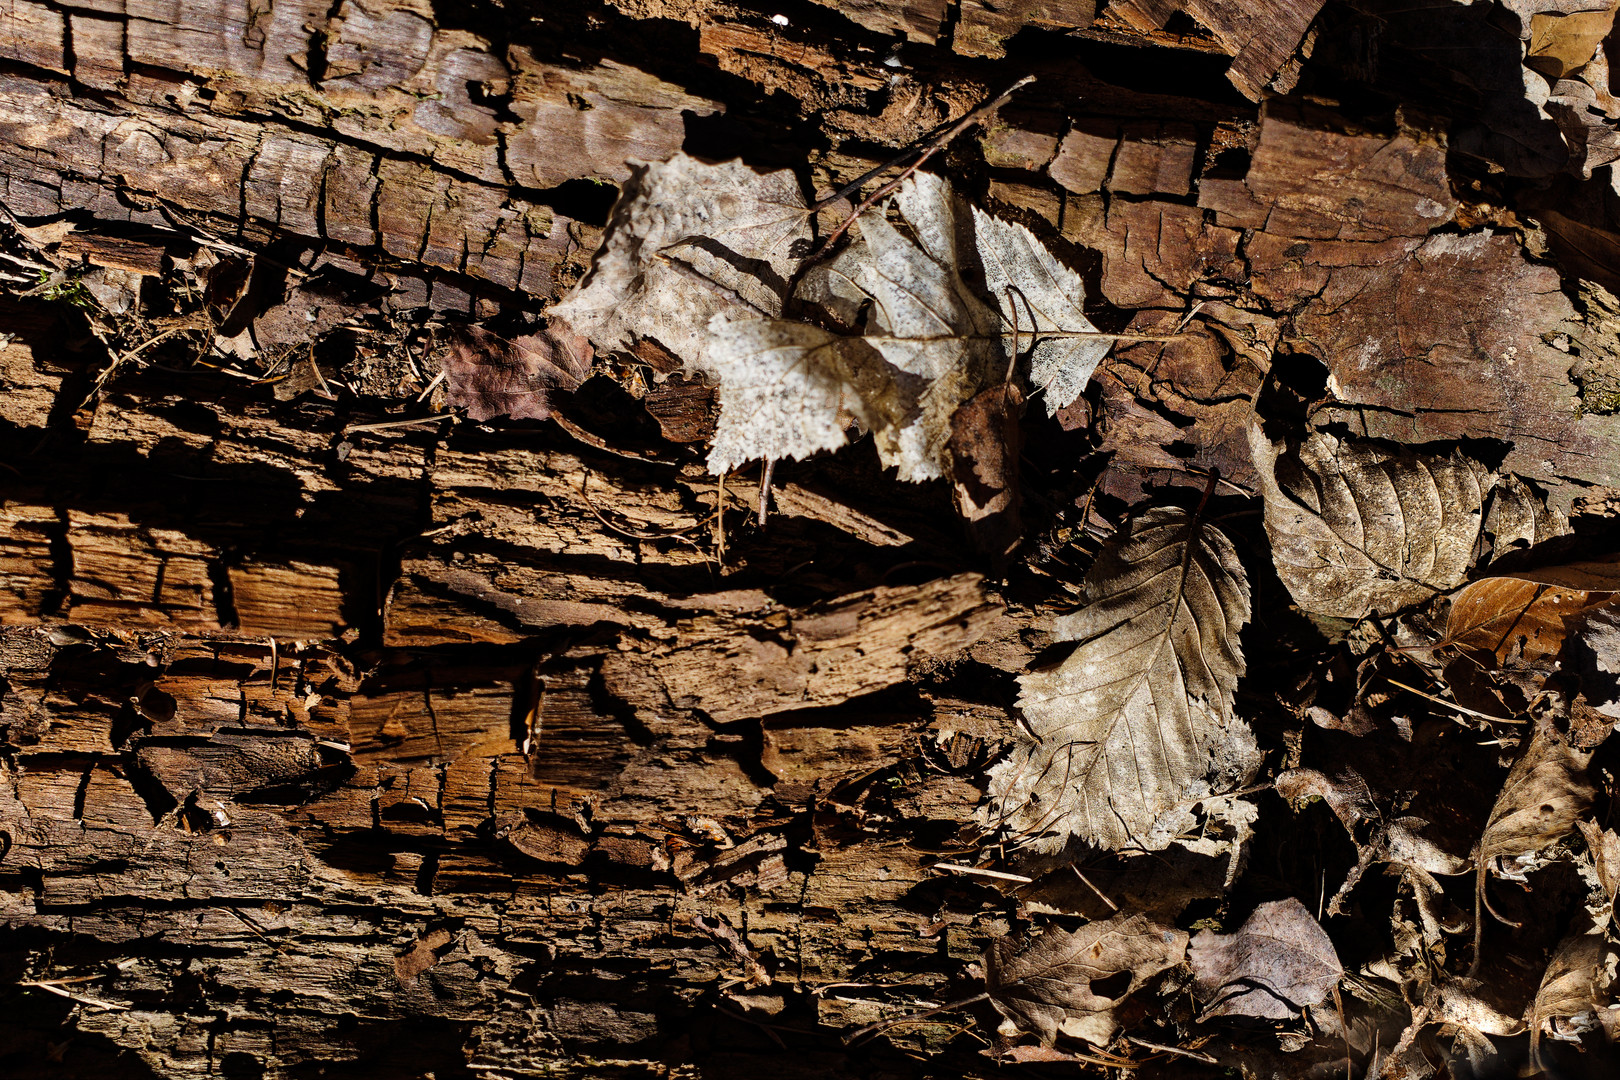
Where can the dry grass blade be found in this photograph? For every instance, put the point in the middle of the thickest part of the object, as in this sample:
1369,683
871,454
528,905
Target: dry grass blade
1137,721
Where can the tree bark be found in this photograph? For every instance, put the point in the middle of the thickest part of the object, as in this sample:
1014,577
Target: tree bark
336,747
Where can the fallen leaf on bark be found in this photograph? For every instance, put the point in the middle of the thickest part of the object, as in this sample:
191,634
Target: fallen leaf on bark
1137,722
688,241
931,341
1357,529
1041,982
1279,962
984,451
1594,656
490,376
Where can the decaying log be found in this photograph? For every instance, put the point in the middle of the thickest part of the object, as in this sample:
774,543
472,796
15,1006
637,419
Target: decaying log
341,735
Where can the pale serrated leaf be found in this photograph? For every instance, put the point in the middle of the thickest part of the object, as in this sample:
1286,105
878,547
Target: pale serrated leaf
927,324
689,241
1037,293
1137,722
1357,529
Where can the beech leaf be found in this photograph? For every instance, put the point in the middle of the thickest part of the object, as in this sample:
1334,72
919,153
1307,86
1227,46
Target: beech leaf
1279,962
1137,722
1043,981
1357,529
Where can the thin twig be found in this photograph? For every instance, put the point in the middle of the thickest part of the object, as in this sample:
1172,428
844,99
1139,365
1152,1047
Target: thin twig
860,1034
980,872
82,999
352,428
1465,710
634,534
1195,1055
926,151
765,489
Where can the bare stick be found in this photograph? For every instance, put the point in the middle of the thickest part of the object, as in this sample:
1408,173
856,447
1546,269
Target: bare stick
927,150
765,489
352,428
997,874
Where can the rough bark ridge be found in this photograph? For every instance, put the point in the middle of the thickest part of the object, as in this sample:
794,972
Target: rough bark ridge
334,745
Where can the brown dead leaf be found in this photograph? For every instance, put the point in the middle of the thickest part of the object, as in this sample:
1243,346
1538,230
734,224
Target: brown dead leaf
1040,982
1604,847
1357,529
1508,621
1567,1002
490,376
983,452
1594,656
1279,962
1546,793
1593,575
1137,722
1562,44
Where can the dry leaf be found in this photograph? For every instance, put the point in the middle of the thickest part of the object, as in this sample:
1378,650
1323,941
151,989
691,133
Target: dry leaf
422,955
697,259
1137,722
931,341
1592,575
1512,622
1357,529
490,376
688,241
1545,794
1563,44
1604,847
1566,1004
984,451
1279,961
1544,797
1041,982
1594,655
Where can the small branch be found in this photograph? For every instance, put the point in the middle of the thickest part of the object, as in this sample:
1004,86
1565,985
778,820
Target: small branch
83,999
927,150
387,425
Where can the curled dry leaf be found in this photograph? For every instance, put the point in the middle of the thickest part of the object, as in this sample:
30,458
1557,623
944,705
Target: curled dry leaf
1594,656
984,450
1357,529
1279,962
490,376
1544,797
1137,722
1041,982
1567,1002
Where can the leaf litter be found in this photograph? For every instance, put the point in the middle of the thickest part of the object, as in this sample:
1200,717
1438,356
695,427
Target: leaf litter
1459,646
